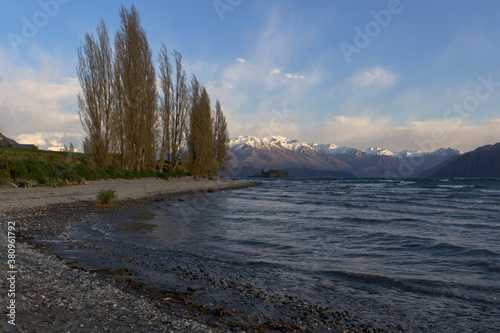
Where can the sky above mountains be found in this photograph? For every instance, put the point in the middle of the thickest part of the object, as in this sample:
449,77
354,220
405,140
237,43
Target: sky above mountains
397,74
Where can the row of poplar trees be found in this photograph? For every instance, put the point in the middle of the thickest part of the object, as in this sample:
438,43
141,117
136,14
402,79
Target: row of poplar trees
148,120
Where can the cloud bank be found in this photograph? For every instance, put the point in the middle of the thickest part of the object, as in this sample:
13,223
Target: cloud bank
38,108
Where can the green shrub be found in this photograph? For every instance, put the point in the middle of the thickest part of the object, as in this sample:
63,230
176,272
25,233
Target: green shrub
114,172
36,169
106,196
63,170
4,175
90,173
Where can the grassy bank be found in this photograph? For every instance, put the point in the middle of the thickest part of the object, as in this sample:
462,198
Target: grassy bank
48,168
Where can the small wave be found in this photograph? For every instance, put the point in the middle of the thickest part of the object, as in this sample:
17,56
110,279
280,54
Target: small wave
423,286
448,246
368,185
491,266
470,201
263,244
367,278
391,199
405,219
362,220
457,249
310,202
412,190
496,192
454,186
404,183
482,252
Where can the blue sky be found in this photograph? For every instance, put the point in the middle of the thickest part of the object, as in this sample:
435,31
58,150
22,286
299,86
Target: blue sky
396,74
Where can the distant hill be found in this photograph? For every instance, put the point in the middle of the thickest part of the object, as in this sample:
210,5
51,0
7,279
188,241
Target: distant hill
482,162
432,171
7,142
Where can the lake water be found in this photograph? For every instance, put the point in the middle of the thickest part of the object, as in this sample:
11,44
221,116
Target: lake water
423,253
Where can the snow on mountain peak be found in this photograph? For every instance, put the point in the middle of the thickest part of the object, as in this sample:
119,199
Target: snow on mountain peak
242,142
268,143
378,151
324,147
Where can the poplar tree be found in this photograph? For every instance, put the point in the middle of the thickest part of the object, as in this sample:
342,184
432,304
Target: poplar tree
95,102
135,85
221,136
174,108
167,101
200,140
180,113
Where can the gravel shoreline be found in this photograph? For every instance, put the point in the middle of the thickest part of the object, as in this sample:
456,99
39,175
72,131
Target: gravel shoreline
56,296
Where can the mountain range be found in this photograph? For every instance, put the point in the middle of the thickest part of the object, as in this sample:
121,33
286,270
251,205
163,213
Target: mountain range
301,159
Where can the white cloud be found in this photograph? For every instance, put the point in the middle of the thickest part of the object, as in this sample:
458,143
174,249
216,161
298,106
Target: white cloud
295,76
30,106
275,71
52,140
241,60
37,103
49,91
376,77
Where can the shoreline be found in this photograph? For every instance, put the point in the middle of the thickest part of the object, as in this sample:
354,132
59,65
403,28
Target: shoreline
57,295
18,199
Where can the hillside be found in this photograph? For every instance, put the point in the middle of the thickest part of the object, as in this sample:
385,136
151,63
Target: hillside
482,162
431,171
28,167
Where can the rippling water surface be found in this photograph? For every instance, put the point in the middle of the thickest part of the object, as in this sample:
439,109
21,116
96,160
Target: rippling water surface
424,251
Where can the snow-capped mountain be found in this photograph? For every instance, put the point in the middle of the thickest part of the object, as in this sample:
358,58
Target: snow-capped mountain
251,154
277,152
333,149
